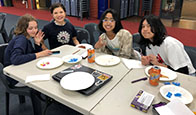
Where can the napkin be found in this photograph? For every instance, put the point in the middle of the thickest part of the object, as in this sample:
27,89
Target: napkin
175,107
42,77
84,54
19,84
131,63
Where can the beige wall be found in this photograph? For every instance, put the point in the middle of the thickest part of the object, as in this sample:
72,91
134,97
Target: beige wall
42,3
189,8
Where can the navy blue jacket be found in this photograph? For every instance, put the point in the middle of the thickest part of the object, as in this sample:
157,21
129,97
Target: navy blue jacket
20,50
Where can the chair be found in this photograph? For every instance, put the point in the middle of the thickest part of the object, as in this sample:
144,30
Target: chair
146,6
2,49
21,91
191,51
46,42
136,45
136,40
2,27
11,34
83,35
93,31
83,8
67,20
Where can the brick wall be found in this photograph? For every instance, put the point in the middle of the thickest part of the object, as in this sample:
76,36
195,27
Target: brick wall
155,7
18,4
94,8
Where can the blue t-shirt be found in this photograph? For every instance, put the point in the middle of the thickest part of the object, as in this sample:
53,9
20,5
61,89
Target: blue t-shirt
19,51
59,35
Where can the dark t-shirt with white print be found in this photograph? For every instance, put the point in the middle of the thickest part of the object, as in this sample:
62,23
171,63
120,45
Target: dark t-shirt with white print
59,35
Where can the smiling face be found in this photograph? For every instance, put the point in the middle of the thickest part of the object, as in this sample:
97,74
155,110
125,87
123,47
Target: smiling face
32,28
146,31
109,22
59,15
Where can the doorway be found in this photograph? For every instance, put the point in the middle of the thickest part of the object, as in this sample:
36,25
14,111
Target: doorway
42,4
189,10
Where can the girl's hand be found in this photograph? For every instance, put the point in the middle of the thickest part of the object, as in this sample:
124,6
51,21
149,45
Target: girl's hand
153,59
145,60
43,53
100,43
38,37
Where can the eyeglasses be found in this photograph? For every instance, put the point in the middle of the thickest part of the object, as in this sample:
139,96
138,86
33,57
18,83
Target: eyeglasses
106,20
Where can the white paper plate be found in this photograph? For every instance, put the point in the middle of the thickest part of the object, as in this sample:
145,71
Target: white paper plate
107,60
186,97
164,71
49,63
87,46
71,59
77,81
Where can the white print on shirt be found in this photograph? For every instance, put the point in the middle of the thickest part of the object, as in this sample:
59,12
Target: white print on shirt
63,37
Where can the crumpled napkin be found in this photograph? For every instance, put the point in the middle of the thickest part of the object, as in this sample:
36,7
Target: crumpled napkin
42,77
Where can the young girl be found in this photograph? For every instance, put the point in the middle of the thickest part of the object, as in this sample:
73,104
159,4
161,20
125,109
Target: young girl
163,50
20,49
59,31
114,40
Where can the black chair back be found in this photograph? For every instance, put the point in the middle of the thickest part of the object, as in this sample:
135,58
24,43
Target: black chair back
2,50
11,34
2,27
191,51
83,35
2,76
93,31
20,91
136,40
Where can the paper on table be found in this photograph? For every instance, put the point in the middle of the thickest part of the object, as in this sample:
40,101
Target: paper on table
131,63
174,107
19,85
42,77
84,54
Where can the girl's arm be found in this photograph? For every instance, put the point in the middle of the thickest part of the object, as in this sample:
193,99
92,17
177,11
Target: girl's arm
75,41
100,43
43,45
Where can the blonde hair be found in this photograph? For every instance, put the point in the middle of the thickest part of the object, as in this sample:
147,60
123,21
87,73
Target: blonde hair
23,23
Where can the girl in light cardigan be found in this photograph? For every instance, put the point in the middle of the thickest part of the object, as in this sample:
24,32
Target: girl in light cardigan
114,40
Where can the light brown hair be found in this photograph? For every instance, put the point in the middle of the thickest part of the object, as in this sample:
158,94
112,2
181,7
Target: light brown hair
23,23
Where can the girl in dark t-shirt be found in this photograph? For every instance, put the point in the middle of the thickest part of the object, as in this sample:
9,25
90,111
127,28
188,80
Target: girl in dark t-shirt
59,31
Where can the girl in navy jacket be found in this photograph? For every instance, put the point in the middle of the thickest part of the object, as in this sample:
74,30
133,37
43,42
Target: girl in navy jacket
20,49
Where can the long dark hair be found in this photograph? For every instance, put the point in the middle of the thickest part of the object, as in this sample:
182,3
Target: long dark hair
115,16
157,28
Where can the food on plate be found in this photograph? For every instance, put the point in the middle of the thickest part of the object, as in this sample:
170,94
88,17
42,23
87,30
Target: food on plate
161,75
164,76
82,47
